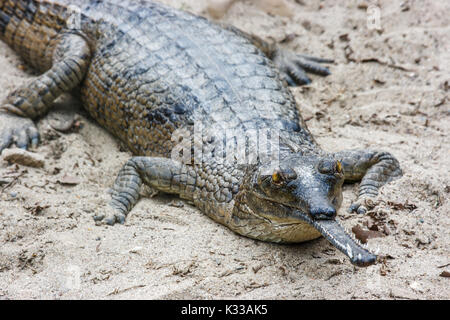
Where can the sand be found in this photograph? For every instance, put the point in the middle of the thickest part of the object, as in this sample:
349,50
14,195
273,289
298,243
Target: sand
389,90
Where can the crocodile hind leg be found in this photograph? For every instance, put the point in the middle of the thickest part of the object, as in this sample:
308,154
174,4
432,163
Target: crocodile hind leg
70,62
372,168
293,66
159,173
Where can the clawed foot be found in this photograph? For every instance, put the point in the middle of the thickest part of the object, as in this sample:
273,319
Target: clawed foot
110,218
362,205
294,66
18,130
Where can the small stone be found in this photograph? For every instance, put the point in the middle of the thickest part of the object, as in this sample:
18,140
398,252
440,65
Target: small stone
416,286
4,180
69,180
135,250
23,157
61,121
423,240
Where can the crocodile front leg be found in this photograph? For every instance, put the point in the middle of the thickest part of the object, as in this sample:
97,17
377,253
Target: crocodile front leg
159,173
70,62
372,168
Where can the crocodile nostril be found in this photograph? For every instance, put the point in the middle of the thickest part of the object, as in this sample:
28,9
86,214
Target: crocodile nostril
322,212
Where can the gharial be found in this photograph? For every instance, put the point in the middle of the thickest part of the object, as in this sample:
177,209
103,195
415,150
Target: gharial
147,71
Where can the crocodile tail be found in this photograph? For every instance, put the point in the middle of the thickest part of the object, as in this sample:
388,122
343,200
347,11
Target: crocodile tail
30,27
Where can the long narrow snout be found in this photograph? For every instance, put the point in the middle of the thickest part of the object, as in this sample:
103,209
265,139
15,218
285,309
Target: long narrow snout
332,230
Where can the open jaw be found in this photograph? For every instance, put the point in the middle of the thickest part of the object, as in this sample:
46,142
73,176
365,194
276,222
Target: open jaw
338,237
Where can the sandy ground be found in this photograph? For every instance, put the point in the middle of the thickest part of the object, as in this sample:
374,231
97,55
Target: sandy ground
389,90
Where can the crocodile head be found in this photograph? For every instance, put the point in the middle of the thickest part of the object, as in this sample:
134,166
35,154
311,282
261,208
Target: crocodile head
305,189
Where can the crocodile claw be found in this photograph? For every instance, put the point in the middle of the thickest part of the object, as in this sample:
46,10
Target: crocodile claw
18,130
294,66
362,205
358,208
110,218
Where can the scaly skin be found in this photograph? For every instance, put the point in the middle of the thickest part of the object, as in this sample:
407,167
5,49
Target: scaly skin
199,104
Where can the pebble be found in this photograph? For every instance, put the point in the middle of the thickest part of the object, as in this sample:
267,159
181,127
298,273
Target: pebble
136,249
5,180
23,157
61,121
422,239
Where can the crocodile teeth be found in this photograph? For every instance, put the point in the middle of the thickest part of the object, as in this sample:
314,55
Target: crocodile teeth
343,240
349,251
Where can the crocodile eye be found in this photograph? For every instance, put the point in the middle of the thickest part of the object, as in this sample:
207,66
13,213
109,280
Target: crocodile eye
277,177
280,176
330,166
338,166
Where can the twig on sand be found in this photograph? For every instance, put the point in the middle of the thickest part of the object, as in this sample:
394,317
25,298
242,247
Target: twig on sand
117,291
13,181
